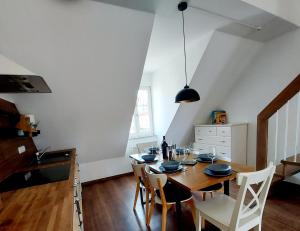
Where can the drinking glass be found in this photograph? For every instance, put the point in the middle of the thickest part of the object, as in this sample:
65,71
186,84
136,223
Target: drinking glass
212,154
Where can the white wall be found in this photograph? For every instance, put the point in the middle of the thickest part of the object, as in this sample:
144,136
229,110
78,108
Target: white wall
92,56
275,66
286,9
169,80
225,58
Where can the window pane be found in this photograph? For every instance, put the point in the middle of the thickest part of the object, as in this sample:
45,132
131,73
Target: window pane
133,127
142,98
142,109
144,121
141,124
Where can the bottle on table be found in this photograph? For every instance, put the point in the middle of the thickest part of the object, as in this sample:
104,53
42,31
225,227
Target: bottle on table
164,148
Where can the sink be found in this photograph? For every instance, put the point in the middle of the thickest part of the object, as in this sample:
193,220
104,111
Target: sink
35,177
49,158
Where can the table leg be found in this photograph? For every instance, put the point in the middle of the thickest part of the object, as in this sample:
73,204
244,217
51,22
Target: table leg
178,214
226,187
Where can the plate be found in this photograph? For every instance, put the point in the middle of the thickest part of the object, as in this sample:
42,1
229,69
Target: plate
188,162
211,173
149,162
161,168
219,168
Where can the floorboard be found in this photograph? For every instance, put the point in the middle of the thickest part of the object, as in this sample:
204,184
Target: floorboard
108,206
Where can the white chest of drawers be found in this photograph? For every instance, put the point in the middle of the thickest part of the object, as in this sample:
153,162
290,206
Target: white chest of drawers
229,141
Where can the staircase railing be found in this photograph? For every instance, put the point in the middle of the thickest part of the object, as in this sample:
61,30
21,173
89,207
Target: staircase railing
263,118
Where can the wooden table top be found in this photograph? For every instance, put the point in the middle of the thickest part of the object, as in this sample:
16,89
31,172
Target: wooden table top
192,177
41,207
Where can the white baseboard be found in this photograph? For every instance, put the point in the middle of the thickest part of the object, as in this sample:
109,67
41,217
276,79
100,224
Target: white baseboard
104,168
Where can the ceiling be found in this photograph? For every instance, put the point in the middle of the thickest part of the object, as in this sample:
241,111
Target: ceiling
166,38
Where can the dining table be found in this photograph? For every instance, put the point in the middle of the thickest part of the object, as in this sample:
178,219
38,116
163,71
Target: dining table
192,177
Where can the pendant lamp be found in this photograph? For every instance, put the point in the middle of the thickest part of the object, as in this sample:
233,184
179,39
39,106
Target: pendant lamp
187,94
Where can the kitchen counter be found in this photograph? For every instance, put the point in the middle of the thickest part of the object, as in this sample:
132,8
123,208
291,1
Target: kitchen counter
42,207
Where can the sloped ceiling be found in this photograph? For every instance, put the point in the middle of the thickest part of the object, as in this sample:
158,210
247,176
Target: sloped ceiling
218,69
92,56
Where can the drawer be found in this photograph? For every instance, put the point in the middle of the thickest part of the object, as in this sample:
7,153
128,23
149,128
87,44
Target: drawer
223,152
205,131
224,131
200,149
224,141
206,139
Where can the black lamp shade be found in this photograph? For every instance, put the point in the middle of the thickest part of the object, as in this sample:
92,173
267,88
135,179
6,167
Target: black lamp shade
187,95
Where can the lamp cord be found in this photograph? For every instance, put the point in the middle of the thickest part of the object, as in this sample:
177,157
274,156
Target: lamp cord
184,49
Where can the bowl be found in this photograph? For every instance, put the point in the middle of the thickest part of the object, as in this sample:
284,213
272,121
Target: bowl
219,168
153,150
148,157
206,157
171,165
180,150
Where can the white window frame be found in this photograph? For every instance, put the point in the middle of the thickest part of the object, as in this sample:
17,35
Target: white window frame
139,134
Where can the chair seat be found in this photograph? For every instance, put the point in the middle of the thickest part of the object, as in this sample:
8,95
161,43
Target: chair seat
174,193
219,210
212,188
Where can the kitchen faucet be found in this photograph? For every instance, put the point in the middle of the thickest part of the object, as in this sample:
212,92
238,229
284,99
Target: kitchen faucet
40,154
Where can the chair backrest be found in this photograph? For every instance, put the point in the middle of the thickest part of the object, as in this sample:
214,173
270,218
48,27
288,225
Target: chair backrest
142,146
155,178
262,181
137,169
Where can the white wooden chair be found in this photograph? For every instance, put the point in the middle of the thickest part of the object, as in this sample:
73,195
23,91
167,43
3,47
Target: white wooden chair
235,215
142,146
137,170
157,182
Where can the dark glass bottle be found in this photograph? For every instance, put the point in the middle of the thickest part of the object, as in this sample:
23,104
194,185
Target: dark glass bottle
164,148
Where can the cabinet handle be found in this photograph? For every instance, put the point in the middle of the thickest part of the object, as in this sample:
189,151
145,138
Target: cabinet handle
223,153
223,141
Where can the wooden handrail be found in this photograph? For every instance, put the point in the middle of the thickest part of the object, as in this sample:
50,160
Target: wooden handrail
263,117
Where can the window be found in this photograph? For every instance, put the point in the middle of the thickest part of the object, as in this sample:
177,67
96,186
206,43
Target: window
142,124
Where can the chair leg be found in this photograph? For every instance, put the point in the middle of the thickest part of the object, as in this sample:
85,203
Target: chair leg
193,209
136,194
211,194
257,228
164,218
151,207
141,195
197,220
147,206
204,196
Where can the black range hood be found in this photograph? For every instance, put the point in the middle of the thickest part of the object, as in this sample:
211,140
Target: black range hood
23,84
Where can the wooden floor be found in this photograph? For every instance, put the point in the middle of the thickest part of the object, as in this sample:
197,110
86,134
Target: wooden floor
108,206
